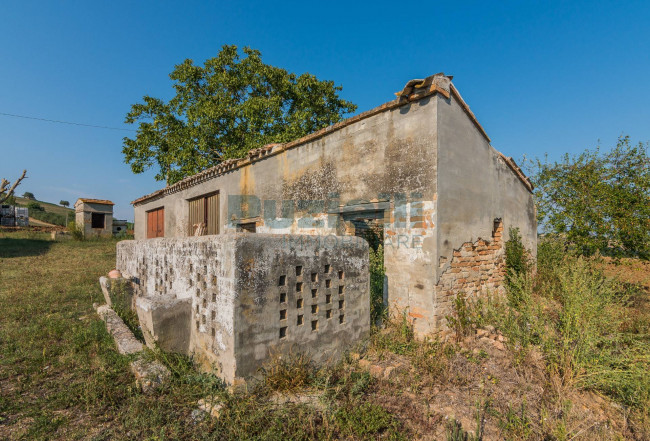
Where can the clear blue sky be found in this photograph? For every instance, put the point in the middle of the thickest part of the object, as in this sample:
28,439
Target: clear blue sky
540,76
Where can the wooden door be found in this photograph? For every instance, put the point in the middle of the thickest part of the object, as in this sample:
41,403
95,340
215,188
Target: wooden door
156,223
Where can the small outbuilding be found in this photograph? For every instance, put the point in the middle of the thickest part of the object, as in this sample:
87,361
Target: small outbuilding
95,215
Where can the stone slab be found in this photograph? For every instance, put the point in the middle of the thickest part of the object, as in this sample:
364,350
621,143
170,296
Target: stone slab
124,338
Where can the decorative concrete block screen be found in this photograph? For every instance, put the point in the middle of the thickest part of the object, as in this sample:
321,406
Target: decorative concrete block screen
234,300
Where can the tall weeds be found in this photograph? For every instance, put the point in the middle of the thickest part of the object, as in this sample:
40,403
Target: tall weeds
576,316
377,272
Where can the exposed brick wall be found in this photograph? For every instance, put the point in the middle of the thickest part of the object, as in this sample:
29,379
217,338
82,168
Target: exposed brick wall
475,269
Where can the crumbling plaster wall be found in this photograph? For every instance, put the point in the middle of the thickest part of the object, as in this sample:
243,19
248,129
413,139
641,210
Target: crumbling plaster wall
475,187
388,156
299,295
254,296
201,269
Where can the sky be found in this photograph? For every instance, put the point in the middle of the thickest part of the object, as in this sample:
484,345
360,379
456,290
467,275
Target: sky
541,77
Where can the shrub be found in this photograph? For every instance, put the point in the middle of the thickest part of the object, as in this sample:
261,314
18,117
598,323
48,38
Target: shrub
551,251
11,200
398,337
51,218
76,231
576,315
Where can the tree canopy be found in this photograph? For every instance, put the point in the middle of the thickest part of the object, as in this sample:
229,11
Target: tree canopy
64,203
29,195
225,108
599,200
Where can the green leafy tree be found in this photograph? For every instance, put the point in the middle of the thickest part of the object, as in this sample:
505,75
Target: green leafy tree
64,203
29,195
225,108
598,200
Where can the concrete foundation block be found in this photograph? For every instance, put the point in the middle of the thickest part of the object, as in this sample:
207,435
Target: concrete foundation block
165,322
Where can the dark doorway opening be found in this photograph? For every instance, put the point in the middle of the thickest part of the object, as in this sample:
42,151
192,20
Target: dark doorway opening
369,225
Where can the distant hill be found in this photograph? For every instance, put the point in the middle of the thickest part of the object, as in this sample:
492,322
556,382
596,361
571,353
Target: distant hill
52,213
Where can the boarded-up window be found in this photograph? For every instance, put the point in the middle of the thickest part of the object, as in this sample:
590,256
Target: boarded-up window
204,215
97,220
156,223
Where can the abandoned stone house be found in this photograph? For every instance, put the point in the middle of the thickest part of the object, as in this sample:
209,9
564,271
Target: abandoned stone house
419,169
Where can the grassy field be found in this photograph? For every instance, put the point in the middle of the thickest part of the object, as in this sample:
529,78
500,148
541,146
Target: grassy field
62,378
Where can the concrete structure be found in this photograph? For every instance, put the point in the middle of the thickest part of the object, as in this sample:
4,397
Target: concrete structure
11,216
234,300
119,226
421,167
22,216
95,215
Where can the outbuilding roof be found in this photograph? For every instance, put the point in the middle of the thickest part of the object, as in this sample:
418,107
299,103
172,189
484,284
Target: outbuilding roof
94,201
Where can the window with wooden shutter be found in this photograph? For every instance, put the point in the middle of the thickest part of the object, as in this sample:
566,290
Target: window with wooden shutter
204,215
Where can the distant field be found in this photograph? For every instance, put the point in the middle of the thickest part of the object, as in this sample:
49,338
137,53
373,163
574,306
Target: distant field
53,214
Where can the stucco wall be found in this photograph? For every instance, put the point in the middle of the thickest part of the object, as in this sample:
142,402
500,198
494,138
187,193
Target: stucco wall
198,268
475,187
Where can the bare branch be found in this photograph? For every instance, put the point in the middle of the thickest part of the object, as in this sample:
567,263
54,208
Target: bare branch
3,187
